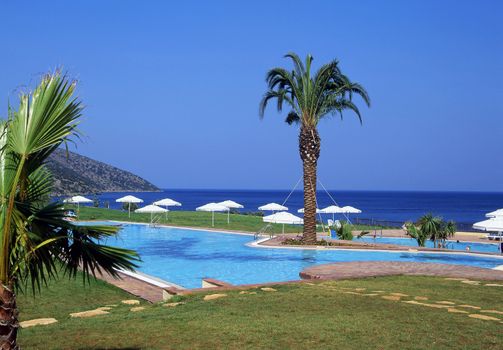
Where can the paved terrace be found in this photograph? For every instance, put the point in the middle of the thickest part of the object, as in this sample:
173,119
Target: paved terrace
277,241
362,269
460,236
134,286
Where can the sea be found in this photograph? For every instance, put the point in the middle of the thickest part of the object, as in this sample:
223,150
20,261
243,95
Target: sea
390,206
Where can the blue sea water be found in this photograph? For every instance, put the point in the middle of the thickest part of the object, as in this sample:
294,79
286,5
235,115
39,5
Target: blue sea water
463,207
184,256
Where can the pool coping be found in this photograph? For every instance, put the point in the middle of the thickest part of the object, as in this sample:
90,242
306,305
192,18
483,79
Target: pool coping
243,233
259,244
384,269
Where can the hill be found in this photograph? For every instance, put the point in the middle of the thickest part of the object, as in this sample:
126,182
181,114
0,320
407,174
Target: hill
77,174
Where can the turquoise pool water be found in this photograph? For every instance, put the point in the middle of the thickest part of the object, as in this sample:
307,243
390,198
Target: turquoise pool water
185,256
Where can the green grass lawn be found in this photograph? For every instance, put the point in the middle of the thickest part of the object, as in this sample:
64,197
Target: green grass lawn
238,222
297,316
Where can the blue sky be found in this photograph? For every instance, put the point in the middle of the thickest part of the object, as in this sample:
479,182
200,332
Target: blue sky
183,80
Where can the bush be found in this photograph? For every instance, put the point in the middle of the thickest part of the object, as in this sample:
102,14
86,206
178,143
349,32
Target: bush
343,231
431,227
253,213
129,206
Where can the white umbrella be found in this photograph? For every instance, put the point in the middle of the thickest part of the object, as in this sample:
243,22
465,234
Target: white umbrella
492,225
350,210
231,205
283,217
167,202
273,207
333,209
213,207
77,200
129,200
495,213
152,209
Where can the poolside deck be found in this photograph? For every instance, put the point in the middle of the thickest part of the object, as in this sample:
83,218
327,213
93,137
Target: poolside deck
136,287
362,269
277,241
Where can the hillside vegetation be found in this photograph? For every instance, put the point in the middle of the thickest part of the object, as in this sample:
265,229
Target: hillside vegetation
77,174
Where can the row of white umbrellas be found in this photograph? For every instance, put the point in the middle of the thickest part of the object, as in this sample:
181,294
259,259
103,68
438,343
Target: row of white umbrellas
218,207
154,208
333,209
281,217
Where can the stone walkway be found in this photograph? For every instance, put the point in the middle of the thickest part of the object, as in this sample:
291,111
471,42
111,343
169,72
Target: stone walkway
360,269
135,286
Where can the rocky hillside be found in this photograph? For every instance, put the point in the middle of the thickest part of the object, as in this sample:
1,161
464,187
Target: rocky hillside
76,174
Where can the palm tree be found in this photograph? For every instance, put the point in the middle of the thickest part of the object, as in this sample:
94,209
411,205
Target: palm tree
417,233
432,228
446,231
35,240
311,98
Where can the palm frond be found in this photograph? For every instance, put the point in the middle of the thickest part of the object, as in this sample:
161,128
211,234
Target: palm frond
45,118
292,117
329,91
300,69
35,238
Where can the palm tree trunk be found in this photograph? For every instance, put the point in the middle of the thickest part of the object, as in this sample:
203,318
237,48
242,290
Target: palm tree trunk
309,147
8,318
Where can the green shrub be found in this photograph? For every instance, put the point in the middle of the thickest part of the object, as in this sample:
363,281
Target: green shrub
129,206
431,227
343,231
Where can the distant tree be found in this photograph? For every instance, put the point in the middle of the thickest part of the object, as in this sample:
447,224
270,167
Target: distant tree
311,98
447,230
126,206
432,228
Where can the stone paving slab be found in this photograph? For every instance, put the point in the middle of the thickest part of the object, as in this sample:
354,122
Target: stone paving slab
136,287
361,269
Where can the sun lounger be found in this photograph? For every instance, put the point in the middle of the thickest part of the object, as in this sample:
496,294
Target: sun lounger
494,236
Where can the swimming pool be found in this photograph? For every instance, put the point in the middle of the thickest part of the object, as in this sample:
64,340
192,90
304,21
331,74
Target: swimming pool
185,256
410,242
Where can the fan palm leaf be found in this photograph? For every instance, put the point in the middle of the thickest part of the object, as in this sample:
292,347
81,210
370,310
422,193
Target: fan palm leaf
35,238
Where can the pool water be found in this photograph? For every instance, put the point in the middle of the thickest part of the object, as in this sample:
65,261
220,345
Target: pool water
184,256
410,242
